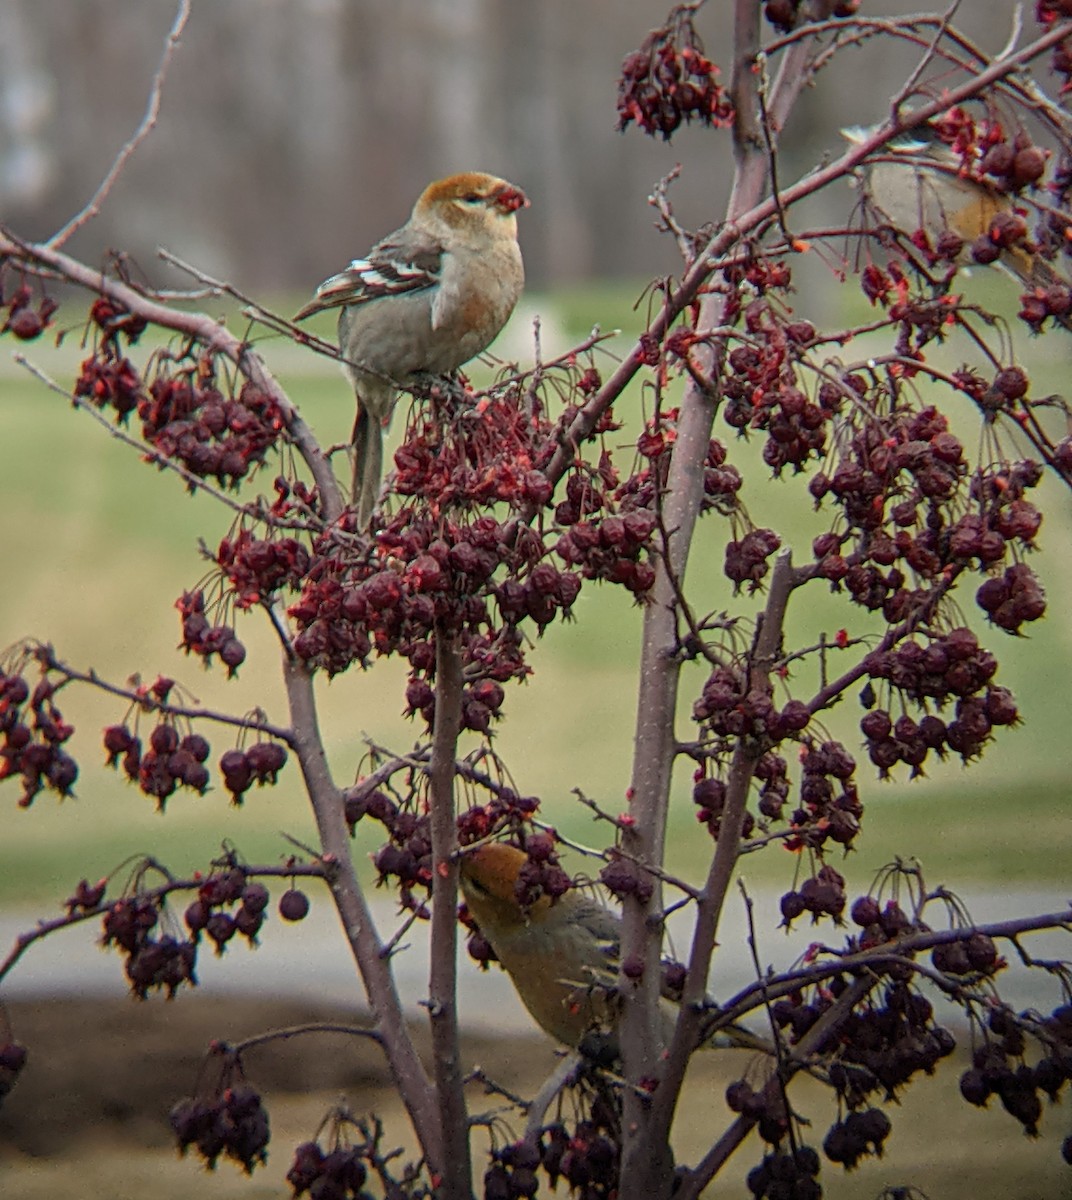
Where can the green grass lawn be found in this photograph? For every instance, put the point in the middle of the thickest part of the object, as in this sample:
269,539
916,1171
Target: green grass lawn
97,548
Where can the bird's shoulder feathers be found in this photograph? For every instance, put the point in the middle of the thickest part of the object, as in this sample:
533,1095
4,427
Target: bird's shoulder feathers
408,260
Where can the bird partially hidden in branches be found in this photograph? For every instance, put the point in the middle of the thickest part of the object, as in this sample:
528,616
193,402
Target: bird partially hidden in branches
425,300
964,204
562,956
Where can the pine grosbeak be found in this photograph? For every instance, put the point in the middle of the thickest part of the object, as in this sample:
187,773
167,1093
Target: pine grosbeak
561,954
920,183
424,300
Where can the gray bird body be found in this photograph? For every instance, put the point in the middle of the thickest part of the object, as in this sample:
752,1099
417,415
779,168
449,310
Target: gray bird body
424,301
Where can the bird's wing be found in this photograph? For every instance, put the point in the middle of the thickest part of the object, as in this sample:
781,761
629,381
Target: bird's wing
603,936
407,260
903,143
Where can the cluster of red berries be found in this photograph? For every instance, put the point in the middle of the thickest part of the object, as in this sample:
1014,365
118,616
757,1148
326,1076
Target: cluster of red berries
1007,231
610,524
540,595
12,1059
973,536
258,567
972,954
822,895
112,319
110,380
1053,301
540,875
211,434
1014,165
512,1174
746,557
880,923
610,548
504,810
721,480
950,665
670,80
34,734
481,700
339,1174
908,453
783,14
733,708
204,639
861,1133
233,1123
983,147
257,764
709,796
428,572
152,961
765,1107
623,877
586,1157
1011,599
22,319
762,392
884,1045
772,771
791,1173
169,763
999,1067
228,903
830,807
407,855
465,455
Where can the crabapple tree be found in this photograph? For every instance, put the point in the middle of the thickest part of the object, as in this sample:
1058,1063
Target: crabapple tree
914,432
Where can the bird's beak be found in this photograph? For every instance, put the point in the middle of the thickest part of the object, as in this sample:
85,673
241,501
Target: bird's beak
510,199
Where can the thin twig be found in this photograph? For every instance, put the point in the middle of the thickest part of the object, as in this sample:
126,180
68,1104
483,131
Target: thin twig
192,481
43,929
149,703
148,123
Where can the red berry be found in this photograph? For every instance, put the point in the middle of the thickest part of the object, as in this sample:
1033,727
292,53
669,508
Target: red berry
293,905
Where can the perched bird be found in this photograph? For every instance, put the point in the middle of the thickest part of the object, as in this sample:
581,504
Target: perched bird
424,300
561,954
920,183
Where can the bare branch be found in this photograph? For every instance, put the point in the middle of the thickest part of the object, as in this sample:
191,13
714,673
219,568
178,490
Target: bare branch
443,983
148,123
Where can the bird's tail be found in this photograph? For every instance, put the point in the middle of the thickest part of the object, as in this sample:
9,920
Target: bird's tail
367,442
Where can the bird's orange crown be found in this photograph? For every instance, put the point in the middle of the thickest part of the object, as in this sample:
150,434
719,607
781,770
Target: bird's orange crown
474,187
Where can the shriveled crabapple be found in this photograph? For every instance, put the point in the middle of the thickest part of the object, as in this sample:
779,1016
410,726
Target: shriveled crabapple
669,80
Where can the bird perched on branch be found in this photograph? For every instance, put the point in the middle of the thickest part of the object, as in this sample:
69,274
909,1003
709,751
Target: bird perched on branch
561,954
424,300
920,183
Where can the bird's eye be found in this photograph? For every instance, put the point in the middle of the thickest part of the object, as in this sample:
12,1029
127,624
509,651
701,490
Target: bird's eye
472,198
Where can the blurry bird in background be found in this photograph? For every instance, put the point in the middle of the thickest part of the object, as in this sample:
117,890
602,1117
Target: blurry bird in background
561,954
920,183
425,300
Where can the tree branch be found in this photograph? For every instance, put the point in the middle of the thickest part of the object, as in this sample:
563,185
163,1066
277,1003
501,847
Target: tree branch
202,328
146,126
443,990
409,1075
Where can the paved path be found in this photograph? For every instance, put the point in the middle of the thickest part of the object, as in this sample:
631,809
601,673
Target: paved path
310,959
